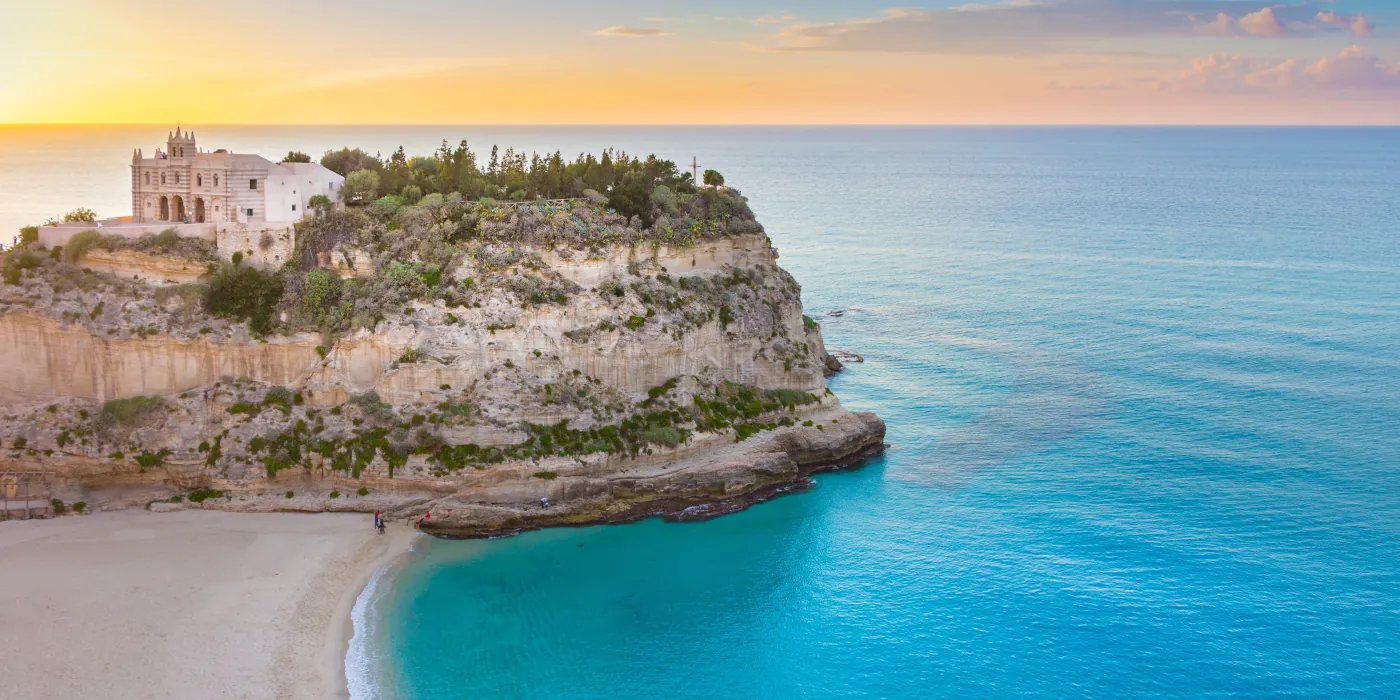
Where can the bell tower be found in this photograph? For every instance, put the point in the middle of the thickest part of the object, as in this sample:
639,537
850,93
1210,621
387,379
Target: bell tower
180,145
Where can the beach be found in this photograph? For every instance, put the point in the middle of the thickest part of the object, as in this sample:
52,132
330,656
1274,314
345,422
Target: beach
189,604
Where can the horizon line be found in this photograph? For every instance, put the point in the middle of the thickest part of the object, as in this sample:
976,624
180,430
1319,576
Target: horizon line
1283,125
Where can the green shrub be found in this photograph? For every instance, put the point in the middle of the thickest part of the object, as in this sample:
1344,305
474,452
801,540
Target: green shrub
64,437
320,295
18,261
58,507
203,494
726,316
80,244
129,411
547,476
20,442
149,459
636,322
28,234
245,294
362,491
80,506
666,435
335,494
291,494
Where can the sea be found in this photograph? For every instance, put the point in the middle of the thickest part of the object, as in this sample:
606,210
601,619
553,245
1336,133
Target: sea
1143,395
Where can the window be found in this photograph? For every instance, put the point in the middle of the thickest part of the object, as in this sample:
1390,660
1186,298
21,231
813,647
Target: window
252,184
148,178
162,178
216,180
294,207
177,178
199,180
249,211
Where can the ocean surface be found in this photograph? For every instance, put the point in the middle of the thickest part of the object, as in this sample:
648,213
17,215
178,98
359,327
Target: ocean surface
1143,397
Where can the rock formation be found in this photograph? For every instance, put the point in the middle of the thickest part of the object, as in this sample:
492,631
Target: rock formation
643,379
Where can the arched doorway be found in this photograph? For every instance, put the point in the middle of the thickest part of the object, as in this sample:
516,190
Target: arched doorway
199,210
164,208
177,207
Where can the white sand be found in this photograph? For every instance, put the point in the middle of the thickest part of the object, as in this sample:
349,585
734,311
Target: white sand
189,605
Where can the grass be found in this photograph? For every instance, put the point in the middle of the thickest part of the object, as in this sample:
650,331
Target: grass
129,411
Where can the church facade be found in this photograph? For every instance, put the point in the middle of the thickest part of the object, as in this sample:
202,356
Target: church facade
182,184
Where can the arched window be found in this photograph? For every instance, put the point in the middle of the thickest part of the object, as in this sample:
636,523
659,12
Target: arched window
177,178
216,180
199,180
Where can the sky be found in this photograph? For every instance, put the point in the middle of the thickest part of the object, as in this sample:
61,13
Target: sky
718,62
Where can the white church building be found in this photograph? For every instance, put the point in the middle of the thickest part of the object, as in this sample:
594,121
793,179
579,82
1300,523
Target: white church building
243,203
183,184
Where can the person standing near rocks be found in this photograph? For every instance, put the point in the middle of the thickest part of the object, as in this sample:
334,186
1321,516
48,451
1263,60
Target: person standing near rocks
376,520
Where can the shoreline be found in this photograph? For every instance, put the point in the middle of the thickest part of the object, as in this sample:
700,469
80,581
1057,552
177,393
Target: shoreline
671,509
340,628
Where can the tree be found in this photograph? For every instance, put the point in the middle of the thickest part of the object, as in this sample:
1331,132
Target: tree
630,198
246,294
296,157
713,178
360,187
81,214
348,160
319,203
28,234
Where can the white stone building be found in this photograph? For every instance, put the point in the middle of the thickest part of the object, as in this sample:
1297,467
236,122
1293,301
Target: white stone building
182,184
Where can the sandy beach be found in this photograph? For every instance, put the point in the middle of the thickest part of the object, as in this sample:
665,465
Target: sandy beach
191,604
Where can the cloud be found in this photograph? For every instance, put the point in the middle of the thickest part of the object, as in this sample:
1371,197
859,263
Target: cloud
1028,26
1262,23
1355,70
632,32
775,19
1358,25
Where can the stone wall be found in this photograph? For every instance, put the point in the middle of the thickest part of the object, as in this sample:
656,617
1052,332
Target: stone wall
52,236
265,245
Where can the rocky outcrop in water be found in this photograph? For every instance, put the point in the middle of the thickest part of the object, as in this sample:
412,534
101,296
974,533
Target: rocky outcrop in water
652,379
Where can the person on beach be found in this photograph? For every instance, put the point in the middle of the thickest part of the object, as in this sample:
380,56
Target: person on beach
544,503
376,519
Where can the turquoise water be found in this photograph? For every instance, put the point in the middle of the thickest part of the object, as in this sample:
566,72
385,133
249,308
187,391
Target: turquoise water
1143,396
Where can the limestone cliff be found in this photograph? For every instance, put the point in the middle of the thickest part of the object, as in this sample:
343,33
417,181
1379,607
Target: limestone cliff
680,379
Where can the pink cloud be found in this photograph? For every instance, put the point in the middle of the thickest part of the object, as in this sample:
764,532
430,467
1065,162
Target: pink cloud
1358,25
1262,23
1222,24
1354,70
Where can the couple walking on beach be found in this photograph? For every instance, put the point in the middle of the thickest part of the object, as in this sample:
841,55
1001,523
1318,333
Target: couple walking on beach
378,522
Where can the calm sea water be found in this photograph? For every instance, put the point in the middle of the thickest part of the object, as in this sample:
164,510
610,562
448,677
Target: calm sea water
1143,395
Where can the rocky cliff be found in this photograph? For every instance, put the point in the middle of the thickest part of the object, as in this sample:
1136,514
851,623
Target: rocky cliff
677,379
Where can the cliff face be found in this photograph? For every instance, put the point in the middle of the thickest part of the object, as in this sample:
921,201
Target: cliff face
669,380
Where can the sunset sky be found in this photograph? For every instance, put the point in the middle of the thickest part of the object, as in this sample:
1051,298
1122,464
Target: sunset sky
441,61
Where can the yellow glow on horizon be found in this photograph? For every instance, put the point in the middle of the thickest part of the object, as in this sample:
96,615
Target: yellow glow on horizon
108,64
